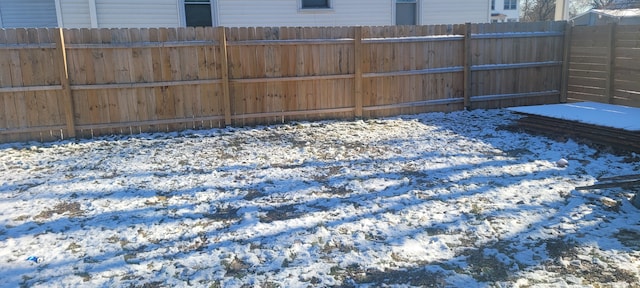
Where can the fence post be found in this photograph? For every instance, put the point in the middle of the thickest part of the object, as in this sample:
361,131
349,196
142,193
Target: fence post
67,99
566,54
226,97
467,66
358,77
611,63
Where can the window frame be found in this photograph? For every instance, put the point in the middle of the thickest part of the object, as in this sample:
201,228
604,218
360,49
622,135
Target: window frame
301,7
213,5
510,5
418,7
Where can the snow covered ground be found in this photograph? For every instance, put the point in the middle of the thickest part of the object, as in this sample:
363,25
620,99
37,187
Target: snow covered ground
440,200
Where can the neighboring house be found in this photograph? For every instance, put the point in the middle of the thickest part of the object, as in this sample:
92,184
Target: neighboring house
604,17
237,13
504,11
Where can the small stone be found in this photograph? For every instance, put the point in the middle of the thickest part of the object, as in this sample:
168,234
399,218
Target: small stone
612,204
562,163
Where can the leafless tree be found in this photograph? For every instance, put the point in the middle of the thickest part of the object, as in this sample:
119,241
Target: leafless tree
579,6
615,4
544,10
602,4
538,10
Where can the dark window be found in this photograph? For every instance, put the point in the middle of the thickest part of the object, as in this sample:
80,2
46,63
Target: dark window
493,4
315,4
406,12
510,4
27,14
197,13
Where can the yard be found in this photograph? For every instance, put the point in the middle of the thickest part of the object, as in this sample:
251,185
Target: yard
438,199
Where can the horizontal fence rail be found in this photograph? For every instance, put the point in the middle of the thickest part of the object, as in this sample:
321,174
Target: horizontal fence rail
59,83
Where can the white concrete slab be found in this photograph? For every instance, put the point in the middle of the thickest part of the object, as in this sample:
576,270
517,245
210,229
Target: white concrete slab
615,116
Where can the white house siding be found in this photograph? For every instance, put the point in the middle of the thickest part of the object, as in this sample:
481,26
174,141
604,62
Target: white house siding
247,13
137,14
230,13
512,15
75,13
455,11
28,13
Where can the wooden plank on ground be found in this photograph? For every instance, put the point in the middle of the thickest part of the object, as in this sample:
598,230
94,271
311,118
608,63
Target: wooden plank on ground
618,138
613,184
620,177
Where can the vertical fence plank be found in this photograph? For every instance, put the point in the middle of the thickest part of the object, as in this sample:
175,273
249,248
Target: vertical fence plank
189,71
78,73
611,57
64,81
140,70
156,94
566,57
30,75
93,103
10,64
5,81
226,96
122,69
358,70
17,115
102,76
202,101
467,66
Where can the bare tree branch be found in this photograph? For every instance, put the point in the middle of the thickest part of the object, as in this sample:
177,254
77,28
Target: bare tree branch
602,4
538,10
615,4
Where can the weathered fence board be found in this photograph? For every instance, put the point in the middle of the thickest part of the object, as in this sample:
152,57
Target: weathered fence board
604,64
517,64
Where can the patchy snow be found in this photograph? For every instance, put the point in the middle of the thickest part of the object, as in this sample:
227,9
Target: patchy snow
615,116
427,200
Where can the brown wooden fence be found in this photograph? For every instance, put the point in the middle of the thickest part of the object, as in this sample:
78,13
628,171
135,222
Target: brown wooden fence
59,83
604,64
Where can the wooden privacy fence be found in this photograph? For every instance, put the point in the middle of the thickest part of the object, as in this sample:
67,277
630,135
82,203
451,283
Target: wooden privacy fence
58,83
604,64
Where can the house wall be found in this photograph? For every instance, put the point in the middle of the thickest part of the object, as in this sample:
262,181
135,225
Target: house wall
512,15
234,13
75,14
137,14
454,12
238,13
120,13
